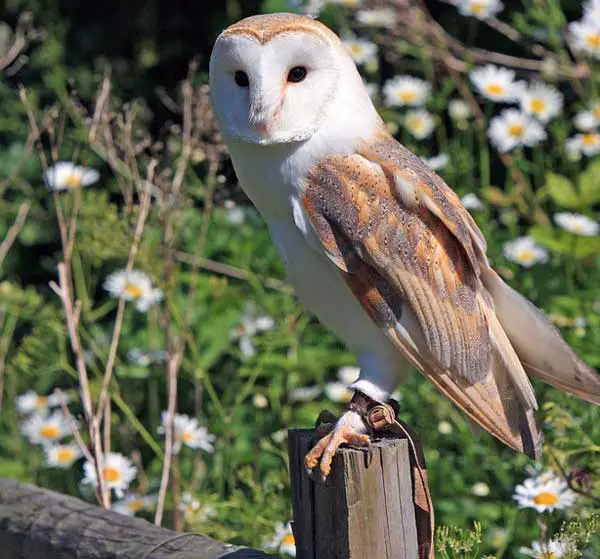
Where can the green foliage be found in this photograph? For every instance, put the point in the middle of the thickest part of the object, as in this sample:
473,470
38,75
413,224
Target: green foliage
218,273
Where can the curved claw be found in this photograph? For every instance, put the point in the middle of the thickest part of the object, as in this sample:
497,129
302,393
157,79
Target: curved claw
324,450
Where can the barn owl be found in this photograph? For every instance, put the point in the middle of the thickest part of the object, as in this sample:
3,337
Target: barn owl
377,246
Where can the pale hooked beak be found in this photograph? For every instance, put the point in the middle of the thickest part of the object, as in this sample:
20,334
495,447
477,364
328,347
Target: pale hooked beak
261,127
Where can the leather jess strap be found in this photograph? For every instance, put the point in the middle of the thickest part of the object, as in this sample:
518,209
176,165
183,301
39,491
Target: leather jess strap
382,418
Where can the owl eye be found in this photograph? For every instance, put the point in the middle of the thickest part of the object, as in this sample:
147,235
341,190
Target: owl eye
297,74
241,79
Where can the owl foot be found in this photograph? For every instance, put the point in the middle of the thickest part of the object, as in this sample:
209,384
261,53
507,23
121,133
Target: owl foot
322,453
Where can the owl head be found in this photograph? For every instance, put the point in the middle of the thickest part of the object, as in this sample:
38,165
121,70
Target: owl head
279,78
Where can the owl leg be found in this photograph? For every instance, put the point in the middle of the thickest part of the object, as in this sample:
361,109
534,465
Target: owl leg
348,430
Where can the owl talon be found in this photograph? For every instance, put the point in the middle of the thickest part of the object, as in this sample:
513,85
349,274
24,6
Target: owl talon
324,450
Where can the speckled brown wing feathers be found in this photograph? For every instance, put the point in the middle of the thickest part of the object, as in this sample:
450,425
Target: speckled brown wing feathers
406,245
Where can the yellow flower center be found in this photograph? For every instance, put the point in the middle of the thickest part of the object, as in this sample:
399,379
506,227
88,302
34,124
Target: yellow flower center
111,474
73,181
346,397
537,106
65,455
49,431
516,130
288,539
41,402
589,139
135,506
548,555
495,89
545,498
416,124
478,7
408,96
186,436
134,290
593,40
355,49
526,255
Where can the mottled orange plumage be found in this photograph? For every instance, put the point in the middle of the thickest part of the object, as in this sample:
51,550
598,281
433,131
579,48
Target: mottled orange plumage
406,244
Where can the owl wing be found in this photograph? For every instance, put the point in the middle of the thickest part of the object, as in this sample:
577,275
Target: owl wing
413,257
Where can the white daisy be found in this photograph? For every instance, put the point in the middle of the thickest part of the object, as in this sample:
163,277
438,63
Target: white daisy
193,511
348,375
235,214
591,11
283,540
58,398
64,175
42,429
588,144
133,503
541,101
459,110
338,392
384,17
251,323
187,431
553,549
361,50
30,402
525,251
406,91
117,472
146,357
189,506
577,224
496,83
436,162
586,36
305,393
471,201
514,128
137,286
62,455
545,492
585,121
481,9
260,401
480,489
419,123
445,427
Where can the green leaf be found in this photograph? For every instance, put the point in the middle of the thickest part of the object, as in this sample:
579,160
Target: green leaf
562,242
562,191
589,184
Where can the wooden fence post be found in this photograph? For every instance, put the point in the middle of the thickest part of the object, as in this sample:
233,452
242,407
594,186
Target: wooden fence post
39,524
361,512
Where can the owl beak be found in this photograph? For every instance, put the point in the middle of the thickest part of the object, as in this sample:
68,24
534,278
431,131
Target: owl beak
262,128
260,113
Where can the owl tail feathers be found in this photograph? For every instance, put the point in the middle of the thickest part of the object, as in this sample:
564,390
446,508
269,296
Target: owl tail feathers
492,402
540,347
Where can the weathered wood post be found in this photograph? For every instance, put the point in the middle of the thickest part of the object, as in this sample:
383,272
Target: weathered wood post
39,524
363,511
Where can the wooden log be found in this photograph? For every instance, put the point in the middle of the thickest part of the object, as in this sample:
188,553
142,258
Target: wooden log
363,511
40,524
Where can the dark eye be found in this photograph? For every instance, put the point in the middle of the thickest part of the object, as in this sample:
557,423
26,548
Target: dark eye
241,78
297,74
